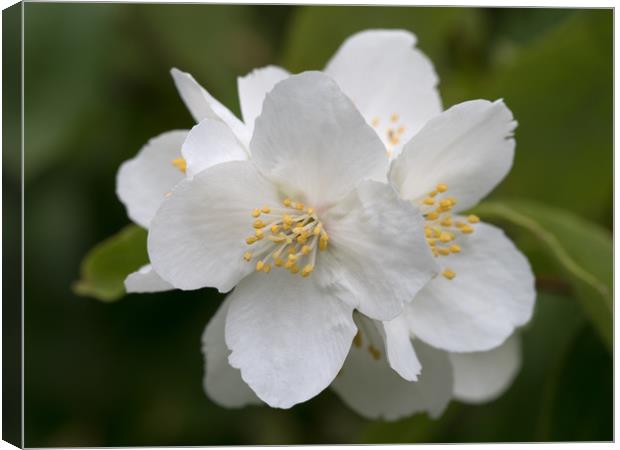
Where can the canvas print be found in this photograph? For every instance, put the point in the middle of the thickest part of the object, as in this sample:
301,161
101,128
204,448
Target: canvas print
251,224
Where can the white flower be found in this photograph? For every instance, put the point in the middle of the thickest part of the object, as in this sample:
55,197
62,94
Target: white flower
304,205
145,180
487,287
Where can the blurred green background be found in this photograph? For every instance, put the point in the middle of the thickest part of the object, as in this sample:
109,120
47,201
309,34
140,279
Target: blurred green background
97,87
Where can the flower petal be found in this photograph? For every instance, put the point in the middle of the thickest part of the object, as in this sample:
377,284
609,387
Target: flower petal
311,140
491,294
208,143
197,238
400,352
145,280
373,390
222,382
288,336
143,181
469,147
391,82
203,105
252,90
377,258
484,376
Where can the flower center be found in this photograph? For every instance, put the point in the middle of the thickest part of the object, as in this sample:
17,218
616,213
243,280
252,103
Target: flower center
441,230
287,237
180,164
393,132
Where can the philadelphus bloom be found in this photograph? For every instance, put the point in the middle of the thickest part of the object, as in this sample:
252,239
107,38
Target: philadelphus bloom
304,235
460,322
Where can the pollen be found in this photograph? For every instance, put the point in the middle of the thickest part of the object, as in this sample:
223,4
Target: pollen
374,352
287,237
180,164
442,232
449,274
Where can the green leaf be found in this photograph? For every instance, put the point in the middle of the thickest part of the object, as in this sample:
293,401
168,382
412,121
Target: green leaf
581,250
560,89
108,263
572,413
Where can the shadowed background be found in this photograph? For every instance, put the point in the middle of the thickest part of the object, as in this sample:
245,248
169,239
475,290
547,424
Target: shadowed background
98,87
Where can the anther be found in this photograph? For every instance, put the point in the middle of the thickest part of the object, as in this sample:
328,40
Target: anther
442,187
258,224
445,237
473,218
255,212
467,229
374,352
307,270
260,265
449,274
247,256
180,164
394,117
287,202
454,248
250,240
266,209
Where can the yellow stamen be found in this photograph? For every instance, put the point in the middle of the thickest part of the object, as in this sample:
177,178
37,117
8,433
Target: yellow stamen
473,218
445,237
449,274
394,117
255,212
307,270
258,224
467,229
180,164
429,201
442,187
374,352
247,256
454,248
266,209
